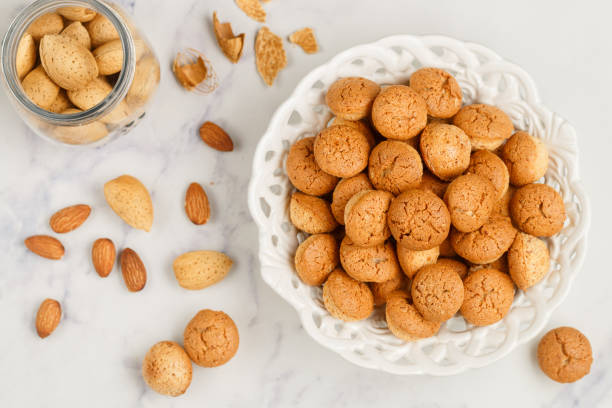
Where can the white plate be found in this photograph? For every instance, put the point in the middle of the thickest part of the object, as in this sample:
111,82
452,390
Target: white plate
484,77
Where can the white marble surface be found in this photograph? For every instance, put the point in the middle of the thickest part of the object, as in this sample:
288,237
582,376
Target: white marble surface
93,359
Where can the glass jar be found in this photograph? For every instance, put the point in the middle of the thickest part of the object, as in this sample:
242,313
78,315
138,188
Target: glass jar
125,96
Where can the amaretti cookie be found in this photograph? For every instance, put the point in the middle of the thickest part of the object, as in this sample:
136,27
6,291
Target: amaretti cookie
446,249
455,265
437,292
365,217
486,244
167,369
470,200
502,207
489,294
341,151
565,354
316,258
382,290
487,126
411,261
528,260
304,172
433,184
526,158
357,124
376,263
488,165
500,264
311,214
538,210
446,150
405,321
394,166
440,90
399,112
345,189
347,299
418,219
352,97
211,338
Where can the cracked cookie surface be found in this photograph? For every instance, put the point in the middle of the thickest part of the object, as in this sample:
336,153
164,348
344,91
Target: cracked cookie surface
365,217
489,294
316,258
565,354
437,292
341,151
487,244
490,166
470,200
445,149
351,98
346,298
538,209
405,321
211,338
399,112
526,158
304,172
487,126
311,214
376,263
440,90
395,166
344,191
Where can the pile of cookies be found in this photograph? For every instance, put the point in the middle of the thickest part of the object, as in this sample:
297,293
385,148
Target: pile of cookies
417,203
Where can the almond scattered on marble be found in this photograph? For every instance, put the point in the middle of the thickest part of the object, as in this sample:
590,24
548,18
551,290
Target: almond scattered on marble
253,9
200,269
133,270
103,255
216,137
196,204
69,218
45,246
230,44
48,317
131,201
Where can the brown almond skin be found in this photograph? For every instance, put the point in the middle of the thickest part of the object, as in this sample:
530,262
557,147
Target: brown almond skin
197,207
103,254
216,137
45,246
48,317
69,218
133,270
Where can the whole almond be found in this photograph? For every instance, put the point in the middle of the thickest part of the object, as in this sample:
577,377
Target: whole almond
76,13
216,137
79,33
48,317
101,30
40,88
69,218
145,81
103,256
200,269
45,246
109,57
196,204
26,55
133,270
129,198
92,94
49,23
68,63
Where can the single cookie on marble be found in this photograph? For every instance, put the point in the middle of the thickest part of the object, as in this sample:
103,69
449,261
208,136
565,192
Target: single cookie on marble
446,150
526,158
446,249
488,165
437,292
351,98
347,299
528,260
489,294
399,112
565,354
341,151
357,124
167,369
365,217
377,263
405,321
486,244
538,210
470,200
487,126
211,338
316,258
304,172
345,190
394,166
418,220
455,265
440,90
411,261
311,214
382,290
433,184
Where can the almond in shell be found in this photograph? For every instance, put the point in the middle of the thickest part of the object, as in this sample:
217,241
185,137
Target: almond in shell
61,103
68,63
26,55
79,33
133,270
101,30
129,198
83,134
48,317
92,94
39,88
103,255
215,137
200,269
196,204
146,78
75,13
69,218
50,23
109,57
45,246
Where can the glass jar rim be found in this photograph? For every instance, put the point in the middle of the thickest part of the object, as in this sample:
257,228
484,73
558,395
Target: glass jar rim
8,64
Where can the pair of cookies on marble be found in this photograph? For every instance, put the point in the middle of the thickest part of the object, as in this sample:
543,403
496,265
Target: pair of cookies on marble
477,204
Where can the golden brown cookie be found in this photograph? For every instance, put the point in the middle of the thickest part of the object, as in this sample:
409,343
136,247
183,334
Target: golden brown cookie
376,263
345,189
528,260
316,258
538,209
304,172
490,166
167,369
341,151
486,244
394,166
487,126
418,220
440,90
470,200
446,249
405,321
411,261
526,158
351,98
500,264
502,207
565,354
382,290
211,338
437,292
359,125
311,214
433,184
347,299
365,217
489,294
455,265
399,112
446,150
